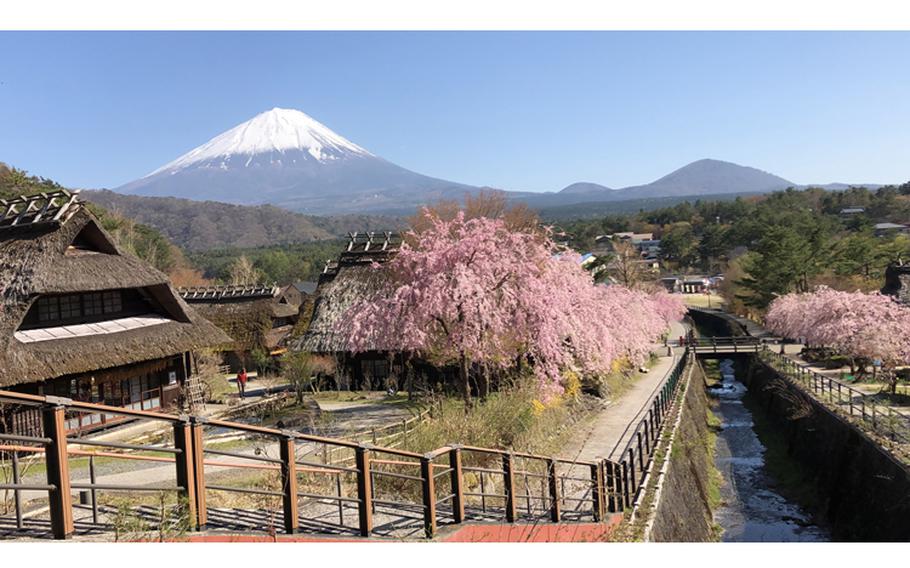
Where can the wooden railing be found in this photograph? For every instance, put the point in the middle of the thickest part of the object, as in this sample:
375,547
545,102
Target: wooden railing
732,344
362,482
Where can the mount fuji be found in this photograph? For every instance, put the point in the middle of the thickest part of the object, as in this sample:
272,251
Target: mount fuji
286,158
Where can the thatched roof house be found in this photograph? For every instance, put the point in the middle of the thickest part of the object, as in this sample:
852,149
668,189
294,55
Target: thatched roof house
343,283
78,315
255,317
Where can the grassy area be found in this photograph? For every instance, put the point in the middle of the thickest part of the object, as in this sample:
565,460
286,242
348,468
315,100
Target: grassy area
514,418
703,300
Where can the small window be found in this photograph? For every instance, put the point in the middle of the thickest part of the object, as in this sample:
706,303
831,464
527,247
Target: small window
48,309
70,307
113,302
92,304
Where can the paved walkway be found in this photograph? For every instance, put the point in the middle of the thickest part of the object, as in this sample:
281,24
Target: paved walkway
613,426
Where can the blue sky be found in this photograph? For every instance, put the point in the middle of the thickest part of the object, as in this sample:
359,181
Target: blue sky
516,110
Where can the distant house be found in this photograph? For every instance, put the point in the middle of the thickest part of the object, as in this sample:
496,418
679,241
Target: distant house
686,284
587,260
634,238
671,283
343,283
81,319
255,317
885,229
850,211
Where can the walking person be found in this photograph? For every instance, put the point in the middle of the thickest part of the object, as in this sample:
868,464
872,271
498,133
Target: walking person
241,382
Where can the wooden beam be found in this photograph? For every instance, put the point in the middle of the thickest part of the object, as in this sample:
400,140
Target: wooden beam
60,499
429,496
457,484
186,477
289,483
508,473
364,490
553,482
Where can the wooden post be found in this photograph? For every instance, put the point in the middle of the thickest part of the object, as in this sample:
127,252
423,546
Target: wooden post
483,492
364,490
340,502
553,483
508,474
457,484
93,481
597,492
429,496
199,472
186,478
17,495
60,499
289,483
609,486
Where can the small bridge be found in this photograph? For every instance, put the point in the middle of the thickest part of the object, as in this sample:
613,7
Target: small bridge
713,347
298,483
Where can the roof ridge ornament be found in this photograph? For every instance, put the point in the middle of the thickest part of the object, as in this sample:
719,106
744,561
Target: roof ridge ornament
41,208
222,291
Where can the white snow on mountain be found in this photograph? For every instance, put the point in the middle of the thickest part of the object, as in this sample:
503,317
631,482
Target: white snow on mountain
278,130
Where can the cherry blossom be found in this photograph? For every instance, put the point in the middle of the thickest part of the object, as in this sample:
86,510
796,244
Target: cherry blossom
856,324
473,292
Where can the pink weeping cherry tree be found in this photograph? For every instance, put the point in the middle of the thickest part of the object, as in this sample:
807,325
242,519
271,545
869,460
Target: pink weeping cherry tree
856,324
476,294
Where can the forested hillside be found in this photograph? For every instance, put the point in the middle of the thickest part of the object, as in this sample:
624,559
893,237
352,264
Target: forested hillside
773,244
143,241
206,225
282,264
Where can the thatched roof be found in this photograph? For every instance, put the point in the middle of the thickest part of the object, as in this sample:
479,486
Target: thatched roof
227,292
65,252
245,313
344,283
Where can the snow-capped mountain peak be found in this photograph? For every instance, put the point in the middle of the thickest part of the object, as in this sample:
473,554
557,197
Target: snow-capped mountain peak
275,131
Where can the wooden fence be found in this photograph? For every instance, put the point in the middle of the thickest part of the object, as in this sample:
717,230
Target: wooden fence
359,483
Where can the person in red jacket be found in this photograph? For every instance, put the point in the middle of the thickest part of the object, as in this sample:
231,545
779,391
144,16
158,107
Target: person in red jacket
241,381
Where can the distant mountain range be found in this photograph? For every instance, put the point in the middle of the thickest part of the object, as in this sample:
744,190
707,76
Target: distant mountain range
205,225
285,158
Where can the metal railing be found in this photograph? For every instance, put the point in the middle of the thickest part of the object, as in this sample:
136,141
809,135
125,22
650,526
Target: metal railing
846,400
451,484
625,473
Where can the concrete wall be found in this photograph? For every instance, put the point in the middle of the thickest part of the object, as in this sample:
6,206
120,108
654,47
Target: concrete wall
716,322
864,493
682,513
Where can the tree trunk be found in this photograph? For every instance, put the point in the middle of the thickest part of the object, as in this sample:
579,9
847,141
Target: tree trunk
465,381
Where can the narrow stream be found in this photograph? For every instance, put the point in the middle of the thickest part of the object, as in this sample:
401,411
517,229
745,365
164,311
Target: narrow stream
753,509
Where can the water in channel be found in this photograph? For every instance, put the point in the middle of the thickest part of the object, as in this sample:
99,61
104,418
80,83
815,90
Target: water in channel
753,510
